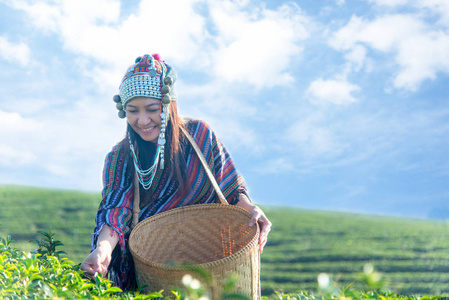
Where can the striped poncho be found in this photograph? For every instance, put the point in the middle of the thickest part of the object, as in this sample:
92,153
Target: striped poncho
115,208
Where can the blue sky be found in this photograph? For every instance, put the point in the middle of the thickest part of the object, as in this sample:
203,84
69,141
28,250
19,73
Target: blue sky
338,104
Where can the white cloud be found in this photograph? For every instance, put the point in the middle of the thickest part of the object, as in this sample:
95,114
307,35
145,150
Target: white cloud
12,52
257,47
28,105
64,143
276,166
14,123
420,50
226,115
332,91
313,138
357,57
391,3
93,30
10,156
56,16
439,8
43,16
384,33
13,148
236,133
422,57
328,139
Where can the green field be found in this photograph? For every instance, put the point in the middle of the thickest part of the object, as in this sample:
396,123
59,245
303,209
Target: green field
69,214
412,255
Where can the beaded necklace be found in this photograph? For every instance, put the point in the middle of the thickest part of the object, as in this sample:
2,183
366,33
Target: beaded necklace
145,176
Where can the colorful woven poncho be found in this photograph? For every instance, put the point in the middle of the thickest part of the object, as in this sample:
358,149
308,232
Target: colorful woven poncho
116,206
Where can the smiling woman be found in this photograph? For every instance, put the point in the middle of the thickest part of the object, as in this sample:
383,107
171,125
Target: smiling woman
144,116
157,161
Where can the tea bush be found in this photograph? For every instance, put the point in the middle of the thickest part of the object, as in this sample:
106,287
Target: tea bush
43,274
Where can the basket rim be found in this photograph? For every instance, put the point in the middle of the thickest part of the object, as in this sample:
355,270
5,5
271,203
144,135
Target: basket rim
187,267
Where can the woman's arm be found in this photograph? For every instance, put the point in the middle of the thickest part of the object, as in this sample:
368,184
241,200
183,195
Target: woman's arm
257,216
99,259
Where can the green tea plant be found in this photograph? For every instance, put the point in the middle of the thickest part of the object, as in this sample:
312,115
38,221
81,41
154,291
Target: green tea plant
46,246
44,274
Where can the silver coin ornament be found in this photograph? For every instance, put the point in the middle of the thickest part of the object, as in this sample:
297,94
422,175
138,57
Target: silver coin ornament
152,72
119,106
165,89
162,163
121,114
166,99
116,98
168,80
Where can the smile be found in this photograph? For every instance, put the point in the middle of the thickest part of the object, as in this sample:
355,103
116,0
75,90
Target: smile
147,129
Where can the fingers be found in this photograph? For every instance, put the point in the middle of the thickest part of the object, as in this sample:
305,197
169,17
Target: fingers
264,230
98,264
91,271
255,216
88,270
264,225
95,263
101,265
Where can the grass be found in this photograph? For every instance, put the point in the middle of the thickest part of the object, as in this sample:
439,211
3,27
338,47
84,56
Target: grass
69,214
412,255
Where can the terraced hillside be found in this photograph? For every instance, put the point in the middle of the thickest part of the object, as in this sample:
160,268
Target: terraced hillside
412,255
69,214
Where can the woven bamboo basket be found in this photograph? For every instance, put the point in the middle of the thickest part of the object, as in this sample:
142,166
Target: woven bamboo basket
215,237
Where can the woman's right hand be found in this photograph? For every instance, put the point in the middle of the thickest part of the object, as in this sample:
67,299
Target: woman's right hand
96,262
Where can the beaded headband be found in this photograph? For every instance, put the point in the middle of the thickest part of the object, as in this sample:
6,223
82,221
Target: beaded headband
148,77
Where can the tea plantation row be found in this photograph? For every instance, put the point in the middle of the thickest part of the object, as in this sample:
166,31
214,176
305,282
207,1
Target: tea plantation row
412,255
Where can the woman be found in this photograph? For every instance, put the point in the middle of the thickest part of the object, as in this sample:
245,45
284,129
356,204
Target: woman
169,172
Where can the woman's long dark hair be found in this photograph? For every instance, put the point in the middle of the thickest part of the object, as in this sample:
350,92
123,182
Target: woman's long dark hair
173,150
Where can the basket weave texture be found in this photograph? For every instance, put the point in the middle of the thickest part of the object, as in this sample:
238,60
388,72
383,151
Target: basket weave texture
212,236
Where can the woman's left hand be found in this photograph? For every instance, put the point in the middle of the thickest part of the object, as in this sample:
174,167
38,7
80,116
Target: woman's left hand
257,216
264,225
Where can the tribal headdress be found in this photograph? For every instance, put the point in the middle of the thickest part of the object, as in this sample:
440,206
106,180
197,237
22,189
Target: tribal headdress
148,77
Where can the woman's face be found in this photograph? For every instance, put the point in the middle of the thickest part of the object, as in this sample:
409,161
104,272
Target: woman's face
144,116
